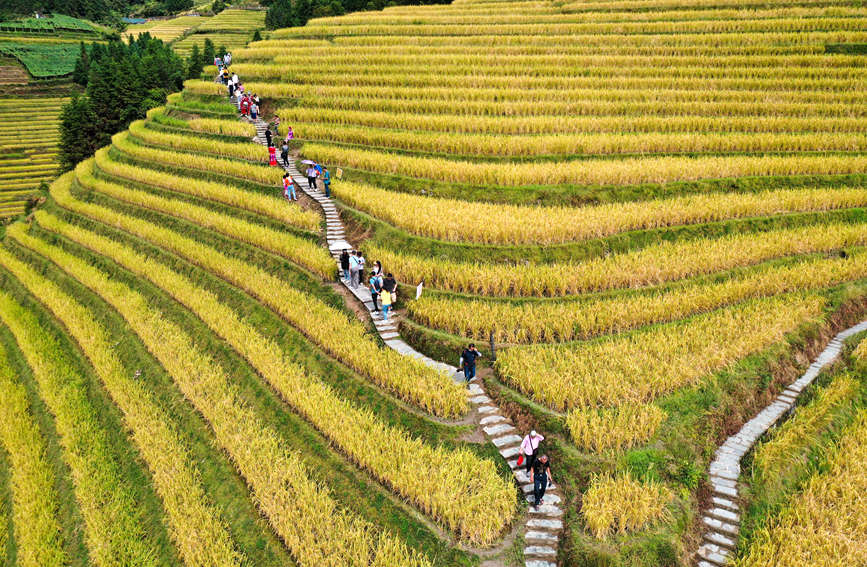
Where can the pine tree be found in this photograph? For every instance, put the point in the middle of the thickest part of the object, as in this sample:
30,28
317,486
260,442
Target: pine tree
208,53
78,132
279,15
82,67
194,63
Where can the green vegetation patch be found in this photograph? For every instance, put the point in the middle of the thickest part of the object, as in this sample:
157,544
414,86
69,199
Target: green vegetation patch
44,60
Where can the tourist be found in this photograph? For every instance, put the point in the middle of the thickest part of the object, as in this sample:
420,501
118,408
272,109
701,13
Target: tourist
235,78
289,188
354,269
540,476
529,449
284,153
361,261
227,60
289,133
326,180
468,362
268,136
225,76
254,111
377,269
389,283
375,287
344,264
231,89
385,298
311,176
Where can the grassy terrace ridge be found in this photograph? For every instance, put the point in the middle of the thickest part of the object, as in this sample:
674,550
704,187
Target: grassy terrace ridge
656,208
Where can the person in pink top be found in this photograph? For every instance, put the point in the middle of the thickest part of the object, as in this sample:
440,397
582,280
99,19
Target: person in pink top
530,447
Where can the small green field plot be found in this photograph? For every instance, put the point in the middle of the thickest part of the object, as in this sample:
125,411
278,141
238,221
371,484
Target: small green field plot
43,60
50,25
28,148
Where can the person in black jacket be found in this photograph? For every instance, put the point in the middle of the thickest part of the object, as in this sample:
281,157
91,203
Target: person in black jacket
344,264
468,361
268,136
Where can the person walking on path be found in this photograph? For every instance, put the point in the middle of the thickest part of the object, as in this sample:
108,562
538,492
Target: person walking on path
254,111
468,361
227,60
354,269
375,288
289,188
361,261
268,136
529,449
344,264
377,269
284,153
326,180
235,78
540,476
389,283
311,176
386,299
290,135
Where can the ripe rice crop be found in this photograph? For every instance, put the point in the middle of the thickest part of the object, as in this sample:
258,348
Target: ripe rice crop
619,428
640,366
408,378
548,321
113,532
592,124
282,485
620,504
500,16
793,440
653,265
243,150
860,352
577,144
824,524
775,25
232,168
448,219
35,524
272,207
225,127
301,251
200,535
430,477
420,78
628,171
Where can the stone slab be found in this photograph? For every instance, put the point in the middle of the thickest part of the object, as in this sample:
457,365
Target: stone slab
492,430
545,524
506,440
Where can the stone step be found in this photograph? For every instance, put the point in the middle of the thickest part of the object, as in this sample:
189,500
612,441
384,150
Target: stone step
492,430
540,550
548,498
506,440
722,527
724,503
724,515
720,540
487,420
541,536
546,510
539,523
538,563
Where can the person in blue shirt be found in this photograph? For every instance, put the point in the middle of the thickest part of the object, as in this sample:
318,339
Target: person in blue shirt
468,361
326,179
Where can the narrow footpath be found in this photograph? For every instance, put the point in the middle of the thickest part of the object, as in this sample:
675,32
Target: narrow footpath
543,524
722,518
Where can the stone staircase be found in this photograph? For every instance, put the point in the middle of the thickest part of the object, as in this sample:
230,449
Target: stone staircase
543,525
722,519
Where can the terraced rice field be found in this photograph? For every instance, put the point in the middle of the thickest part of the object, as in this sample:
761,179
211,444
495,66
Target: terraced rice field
231,28
654,210
167,30
643,204
28,148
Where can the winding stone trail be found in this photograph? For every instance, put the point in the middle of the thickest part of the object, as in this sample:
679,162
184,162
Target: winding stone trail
722,519
543,525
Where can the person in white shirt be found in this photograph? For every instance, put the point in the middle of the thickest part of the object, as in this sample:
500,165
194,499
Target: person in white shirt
530,447
312,174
